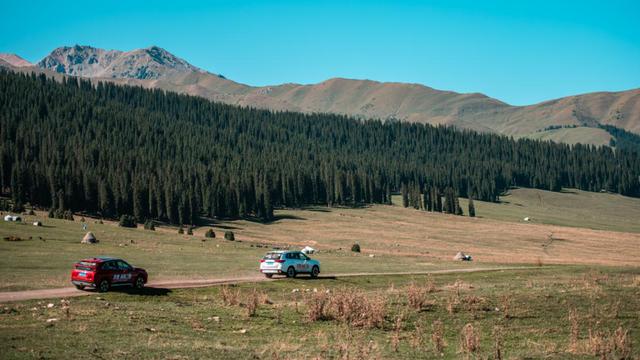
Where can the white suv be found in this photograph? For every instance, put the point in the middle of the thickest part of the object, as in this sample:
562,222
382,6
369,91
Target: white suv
289,263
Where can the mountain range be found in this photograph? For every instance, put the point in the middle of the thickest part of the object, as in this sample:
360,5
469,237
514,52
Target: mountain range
570,119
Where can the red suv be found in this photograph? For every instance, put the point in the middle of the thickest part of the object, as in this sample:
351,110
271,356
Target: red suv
102,273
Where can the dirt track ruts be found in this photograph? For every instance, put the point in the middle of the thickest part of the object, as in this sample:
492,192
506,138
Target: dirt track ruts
184,284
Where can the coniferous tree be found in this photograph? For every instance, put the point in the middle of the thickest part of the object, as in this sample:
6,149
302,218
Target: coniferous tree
169,157
472,208
405,195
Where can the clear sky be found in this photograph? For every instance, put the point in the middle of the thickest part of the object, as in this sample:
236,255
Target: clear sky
521,52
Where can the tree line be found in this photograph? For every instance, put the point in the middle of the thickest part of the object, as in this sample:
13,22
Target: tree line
111,150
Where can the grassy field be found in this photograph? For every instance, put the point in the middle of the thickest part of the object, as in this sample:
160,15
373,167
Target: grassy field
571,207
392,238
579,301
556,312
45,255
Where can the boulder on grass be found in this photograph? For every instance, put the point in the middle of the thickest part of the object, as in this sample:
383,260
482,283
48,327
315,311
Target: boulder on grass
89,238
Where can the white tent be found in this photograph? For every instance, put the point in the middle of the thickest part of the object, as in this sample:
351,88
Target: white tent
12,218
308,250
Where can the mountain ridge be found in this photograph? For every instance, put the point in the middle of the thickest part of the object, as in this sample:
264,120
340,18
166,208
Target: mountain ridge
154,67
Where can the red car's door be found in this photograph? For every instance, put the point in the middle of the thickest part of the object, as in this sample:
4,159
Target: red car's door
109,271
125,272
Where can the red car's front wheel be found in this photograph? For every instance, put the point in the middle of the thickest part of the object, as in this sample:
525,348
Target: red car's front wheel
139,284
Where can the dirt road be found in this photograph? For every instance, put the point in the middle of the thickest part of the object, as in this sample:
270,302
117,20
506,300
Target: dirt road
184,284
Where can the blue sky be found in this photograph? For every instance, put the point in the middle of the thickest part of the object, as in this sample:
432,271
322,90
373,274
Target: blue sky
521,52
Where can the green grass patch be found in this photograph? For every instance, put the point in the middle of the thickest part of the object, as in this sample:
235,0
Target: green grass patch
526,312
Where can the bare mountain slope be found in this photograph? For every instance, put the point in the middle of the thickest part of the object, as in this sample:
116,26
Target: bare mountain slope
14,60
156,68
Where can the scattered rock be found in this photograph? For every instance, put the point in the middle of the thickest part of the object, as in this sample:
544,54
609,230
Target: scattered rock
50,305
52,320
150,329
241,331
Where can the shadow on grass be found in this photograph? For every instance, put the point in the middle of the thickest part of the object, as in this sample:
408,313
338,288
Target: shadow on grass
147,291
275,219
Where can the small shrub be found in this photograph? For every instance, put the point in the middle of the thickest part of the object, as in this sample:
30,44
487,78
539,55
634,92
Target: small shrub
127,221
317,306
189,230
31,212
210,234
68,215
229,296
575,330
416,296
58,214
469,340
505,302
82,219
51,214
622,343
228,235
351,307
417,335
437,337
150,225
180,230
252,303
498,342
355,247
12,238
18,207
397,327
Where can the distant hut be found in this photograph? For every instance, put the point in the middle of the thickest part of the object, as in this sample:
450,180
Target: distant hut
89,238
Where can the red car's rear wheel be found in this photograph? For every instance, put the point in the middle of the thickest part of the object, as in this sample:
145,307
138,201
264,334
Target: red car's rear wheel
104,286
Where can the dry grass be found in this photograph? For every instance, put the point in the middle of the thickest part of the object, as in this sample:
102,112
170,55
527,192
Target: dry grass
252,301
416,296
437,337
506,302
393,230
498,342
574,334
469,340
230,296
398,324
354,308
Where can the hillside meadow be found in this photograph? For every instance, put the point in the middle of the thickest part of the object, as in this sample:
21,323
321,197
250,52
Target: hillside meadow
392,238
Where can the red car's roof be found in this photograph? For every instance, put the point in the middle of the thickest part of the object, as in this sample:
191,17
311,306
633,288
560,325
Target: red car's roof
99,259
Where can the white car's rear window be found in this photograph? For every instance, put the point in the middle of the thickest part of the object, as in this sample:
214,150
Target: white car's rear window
272,256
